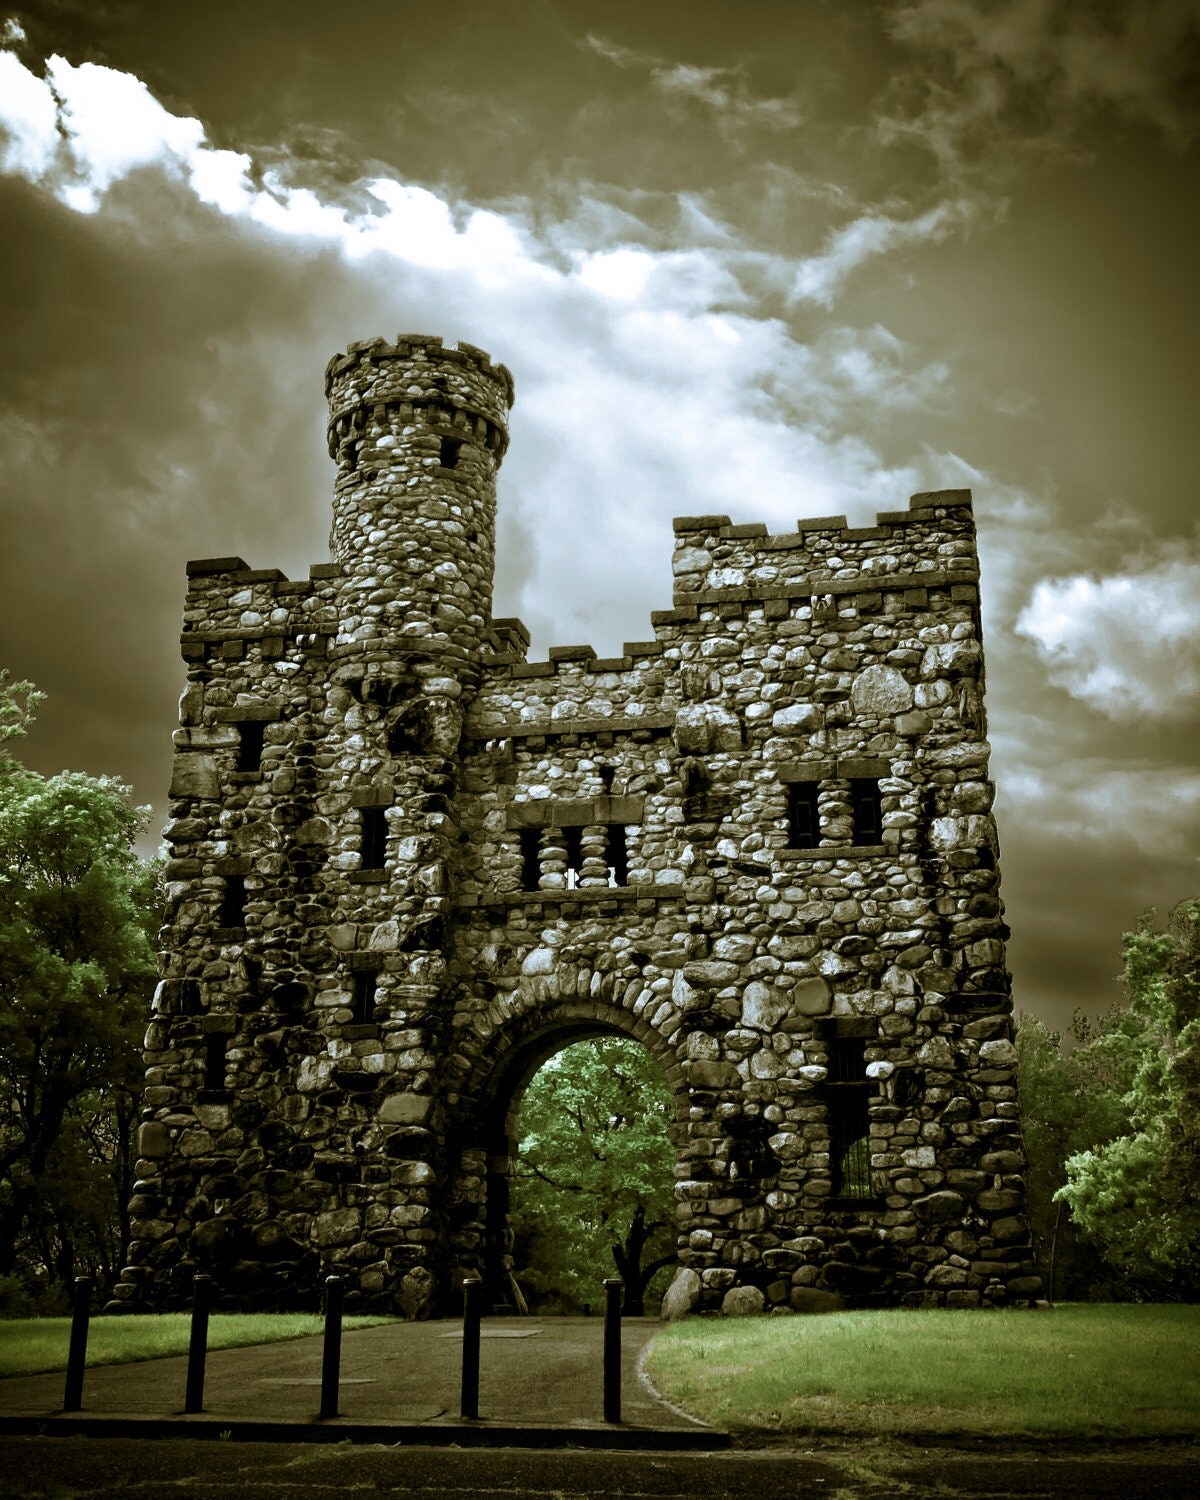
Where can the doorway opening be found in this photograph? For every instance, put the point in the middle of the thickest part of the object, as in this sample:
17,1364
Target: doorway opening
591,1193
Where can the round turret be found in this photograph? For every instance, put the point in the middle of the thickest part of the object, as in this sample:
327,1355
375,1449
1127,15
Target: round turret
418,432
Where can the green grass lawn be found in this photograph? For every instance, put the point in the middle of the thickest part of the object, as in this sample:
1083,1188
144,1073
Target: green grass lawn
1080,1370
29,1346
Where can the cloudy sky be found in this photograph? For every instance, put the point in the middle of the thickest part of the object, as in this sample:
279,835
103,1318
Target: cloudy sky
779,259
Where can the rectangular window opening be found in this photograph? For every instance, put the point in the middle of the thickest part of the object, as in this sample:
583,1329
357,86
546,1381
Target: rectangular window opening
189,997
233,902
804,820
866,811
374,838
214,1063
531,858
250,745
849,1120
618,855
365,989
451,447
573,840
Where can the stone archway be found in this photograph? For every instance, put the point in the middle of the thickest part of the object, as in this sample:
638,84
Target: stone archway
481,1133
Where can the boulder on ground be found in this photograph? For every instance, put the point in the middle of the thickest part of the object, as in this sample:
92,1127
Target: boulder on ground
681,1296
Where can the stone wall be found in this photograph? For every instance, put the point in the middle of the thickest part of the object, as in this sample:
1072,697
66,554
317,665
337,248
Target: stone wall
760,843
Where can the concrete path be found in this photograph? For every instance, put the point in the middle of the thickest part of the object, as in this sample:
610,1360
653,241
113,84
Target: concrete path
540,1382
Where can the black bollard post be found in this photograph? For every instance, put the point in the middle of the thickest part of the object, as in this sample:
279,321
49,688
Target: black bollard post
77,1352
613,1287
472,1290
193,1399
331,1356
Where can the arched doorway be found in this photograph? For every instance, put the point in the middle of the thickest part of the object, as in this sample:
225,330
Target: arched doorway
482,1232
592,1186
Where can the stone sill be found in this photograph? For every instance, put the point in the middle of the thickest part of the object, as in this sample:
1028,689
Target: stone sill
875,1204
368,877
588,896
245,778
838,851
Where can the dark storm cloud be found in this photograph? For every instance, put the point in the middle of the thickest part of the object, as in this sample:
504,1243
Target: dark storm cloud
954,272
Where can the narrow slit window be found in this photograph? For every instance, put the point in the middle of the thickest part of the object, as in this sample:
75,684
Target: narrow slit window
618,855
451,447
573,840
849,1119
250,745
866,810
233,902
374,838
365,990
214,1063
804,820
531,858
189,997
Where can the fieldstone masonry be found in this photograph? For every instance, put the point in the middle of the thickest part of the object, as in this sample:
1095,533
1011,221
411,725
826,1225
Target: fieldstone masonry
409,865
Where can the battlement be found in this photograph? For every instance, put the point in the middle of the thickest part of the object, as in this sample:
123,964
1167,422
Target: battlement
418,346
458,392
716,561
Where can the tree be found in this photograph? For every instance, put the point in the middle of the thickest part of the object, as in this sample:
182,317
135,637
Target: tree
1069,1103
1138,1194
78,912
594,1175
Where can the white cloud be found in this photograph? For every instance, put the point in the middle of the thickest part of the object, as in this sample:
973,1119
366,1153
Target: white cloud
30,120
1126,644
820,277
113,124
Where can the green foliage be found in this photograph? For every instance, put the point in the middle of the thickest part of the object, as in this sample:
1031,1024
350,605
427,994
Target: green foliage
1069,1103
1075,1372
78,913
18,700
1138,1194
593,1193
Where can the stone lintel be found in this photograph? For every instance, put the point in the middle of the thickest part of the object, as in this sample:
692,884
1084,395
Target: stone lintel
576,813
364,962
858,766
655,722
645,896
807,770
372,796
250,713
860,1026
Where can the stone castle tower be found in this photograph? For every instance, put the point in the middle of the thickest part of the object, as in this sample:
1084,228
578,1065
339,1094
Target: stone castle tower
410,865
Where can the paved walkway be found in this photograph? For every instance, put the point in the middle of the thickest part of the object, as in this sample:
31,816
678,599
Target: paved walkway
540,1382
